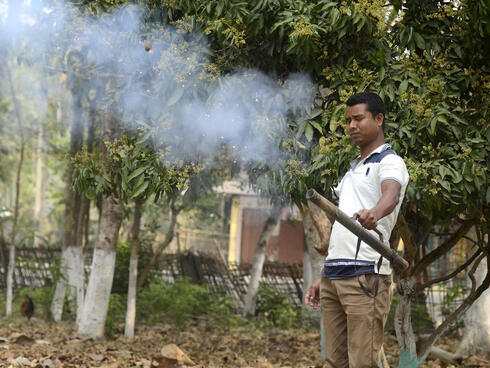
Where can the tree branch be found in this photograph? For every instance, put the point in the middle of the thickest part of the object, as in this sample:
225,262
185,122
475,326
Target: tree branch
474,295
169,235
451,275
426,234
410,248
442,249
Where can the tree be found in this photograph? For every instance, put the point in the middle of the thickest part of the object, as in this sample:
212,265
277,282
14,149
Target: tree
11,263
259,258
133,271
428,67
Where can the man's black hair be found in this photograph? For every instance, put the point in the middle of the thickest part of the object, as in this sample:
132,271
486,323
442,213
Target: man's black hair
374,103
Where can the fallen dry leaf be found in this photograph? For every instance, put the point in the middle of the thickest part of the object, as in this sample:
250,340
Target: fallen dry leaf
111,365
173,352
123,354
96,357
167,363
22,339
21,362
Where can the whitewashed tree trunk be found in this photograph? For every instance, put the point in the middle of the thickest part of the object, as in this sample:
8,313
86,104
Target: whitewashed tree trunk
70,257
258,261
133,273
76,277
476,336
72,277
10,280
131,305
60,289
11,266
102,272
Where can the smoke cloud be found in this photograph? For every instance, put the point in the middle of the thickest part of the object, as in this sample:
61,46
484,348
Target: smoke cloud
159,77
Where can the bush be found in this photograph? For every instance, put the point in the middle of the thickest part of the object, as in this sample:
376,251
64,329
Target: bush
41,298
276,309
116,314
121,270
181,301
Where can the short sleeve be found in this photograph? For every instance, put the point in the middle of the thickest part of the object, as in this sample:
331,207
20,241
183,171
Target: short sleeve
392,167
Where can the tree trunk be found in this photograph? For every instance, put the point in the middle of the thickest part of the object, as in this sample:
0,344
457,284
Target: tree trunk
403,317
11,265
102,271
38,203
174,212
85,214
133,272
317,227
258,260
71,273
60,289
4,255
76,277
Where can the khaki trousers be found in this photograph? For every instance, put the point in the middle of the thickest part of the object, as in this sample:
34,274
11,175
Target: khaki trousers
352,322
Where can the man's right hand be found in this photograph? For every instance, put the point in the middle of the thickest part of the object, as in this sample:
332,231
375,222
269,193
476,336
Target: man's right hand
312,296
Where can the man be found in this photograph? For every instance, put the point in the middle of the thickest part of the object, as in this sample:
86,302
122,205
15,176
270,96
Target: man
354,289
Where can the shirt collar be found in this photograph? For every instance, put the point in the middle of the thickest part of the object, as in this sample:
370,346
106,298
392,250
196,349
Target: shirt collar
379,149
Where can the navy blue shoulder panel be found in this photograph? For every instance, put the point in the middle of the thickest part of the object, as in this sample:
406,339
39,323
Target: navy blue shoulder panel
377,157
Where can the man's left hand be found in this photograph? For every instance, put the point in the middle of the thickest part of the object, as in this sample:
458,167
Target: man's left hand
368,219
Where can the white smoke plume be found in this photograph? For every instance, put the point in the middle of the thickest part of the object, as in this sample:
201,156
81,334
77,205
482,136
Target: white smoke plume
155,76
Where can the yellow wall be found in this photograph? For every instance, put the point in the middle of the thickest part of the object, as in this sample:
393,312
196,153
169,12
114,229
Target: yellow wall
232,248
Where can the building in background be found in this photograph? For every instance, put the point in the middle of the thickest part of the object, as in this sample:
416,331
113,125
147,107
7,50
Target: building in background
248,214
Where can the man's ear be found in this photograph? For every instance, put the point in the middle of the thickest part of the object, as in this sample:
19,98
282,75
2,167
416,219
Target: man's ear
379,119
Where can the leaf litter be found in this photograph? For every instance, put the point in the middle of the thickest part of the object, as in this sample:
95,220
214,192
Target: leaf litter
201,345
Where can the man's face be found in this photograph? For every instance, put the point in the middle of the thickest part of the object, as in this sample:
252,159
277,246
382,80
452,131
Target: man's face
362,127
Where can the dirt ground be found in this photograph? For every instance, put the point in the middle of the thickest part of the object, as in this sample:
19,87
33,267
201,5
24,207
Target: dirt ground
40,344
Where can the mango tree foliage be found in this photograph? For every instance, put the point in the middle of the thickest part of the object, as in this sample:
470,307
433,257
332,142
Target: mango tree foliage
425,58
130,171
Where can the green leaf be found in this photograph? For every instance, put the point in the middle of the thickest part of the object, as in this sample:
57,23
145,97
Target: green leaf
445,185
443,171
457,177
140,189
442,119
178,93
419,40
414,82
317,126
457,49
382,73
309,132
137,172
334,16
403,87
315,113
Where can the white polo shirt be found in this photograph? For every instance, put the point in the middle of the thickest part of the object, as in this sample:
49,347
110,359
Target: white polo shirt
360,188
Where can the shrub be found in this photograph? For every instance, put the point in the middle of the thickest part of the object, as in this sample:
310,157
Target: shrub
276,309
41,298
181,301
121,270
116,314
